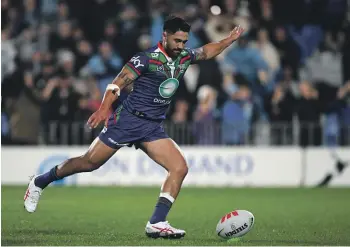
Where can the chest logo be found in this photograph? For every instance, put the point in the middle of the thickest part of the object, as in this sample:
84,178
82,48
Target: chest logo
168,87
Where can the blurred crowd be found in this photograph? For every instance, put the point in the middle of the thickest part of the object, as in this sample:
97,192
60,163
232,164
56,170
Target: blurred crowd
291,66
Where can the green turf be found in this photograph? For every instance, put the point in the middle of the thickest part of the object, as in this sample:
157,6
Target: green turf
117,216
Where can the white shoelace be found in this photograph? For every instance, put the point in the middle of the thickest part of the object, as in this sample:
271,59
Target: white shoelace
34,197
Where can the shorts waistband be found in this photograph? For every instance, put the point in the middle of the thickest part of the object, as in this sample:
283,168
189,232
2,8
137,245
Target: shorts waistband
143,115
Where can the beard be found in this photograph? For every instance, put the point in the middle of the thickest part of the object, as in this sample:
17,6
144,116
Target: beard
173,52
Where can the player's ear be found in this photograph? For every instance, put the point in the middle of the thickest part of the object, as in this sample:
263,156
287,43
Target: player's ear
164,35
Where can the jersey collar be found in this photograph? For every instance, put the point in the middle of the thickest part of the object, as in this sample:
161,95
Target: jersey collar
162,50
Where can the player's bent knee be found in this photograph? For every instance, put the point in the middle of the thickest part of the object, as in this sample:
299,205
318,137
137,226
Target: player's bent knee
181,170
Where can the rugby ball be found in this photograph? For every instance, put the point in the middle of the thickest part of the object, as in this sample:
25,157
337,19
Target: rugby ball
235,224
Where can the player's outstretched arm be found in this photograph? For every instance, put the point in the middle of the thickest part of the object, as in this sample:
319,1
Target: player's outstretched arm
123,79
213,49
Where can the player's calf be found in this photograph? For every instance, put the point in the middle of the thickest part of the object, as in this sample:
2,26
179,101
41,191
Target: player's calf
93,159
68,168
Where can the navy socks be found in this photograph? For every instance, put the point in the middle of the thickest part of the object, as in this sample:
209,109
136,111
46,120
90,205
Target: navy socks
45,179
162,208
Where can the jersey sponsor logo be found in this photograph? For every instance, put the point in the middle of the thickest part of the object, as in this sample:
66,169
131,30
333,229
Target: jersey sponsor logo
112,141
137,62
168,87
116,143
161,101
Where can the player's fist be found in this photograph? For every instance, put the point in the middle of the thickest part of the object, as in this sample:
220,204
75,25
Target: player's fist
236,33
97,117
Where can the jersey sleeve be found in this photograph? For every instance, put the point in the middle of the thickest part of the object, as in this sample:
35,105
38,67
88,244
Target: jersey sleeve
138,64
193,55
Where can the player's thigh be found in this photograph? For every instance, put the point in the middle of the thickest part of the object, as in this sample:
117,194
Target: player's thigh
99,153
166,153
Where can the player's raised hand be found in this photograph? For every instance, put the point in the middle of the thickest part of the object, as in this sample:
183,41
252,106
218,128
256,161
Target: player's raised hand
97,117
236,33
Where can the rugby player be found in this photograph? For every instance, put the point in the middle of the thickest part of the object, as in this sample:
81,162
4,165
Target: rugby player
155,74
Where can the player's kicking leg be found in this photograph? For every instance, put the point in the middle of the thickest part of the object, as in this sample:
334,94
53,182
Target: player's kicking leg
167,154
95,157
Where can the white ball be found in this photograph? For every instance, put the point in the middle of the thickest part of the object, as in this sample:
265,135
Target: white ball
235,224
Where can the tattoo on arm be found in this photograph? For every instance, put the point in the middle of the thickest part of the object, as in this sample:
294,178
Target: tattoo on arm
211,50
123,80
126,79
200,54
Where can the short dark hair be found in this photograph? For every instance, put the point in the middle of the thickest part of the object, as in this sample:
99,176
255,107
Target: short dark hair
172,24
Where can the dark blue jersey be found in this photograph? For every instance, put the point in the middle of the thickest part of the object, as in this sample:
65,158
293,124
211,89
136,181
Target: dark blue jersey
123,95
157,80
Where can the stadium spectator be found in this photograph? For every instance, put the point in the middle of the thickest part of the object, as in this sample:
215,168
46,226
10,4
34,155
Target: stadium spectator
324,65
25,116
49,10
8,55
338,118
105,65
63,39
287,48
269,54
309,114
180,114
280,108
112,35
205,130
249,64
180,118
237,111
84,51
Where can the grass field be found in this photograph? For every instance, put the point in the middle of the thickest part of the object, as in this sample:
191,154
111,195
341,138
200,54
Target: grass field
117,216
